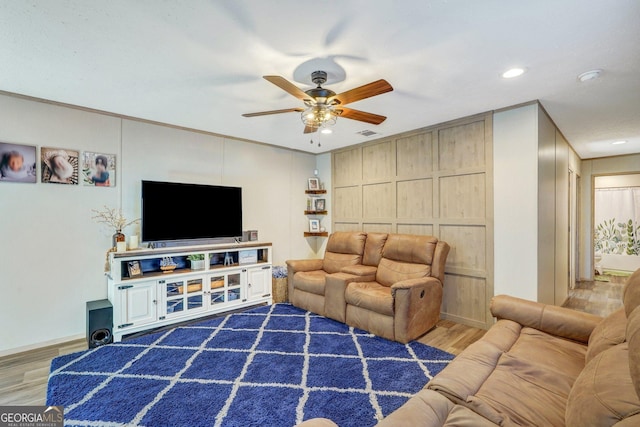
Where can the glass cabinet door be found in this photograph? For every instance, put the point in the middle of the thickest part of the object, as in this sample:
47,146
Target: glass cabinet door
183,296
175,296
225,287
216,284
195,293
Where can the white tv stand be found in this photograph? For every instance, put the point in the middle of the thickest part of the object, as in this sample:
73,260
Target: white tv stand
235,275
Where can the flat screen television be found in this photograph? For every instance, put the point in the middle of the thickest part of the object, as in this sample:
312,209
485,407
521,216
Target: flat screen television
180,213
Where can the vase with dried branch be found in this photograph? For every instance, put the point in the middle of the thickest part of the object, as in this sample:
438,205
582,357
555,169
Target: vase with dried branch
114,219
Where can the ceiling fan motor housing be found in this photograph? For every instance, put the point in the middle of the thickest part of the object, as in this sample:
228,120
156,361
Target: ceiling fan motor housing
319,77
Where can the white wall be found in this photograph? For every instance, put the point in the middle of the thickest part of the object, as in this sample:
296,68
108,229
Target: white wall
52,259
515,194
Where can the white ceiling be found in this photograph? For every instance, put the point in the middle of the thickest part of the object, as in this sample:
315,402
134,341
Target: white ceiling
199,64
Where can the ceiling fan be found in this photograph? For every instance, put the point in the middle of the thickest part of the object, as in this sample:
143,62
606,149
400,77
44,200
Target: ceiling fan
324,106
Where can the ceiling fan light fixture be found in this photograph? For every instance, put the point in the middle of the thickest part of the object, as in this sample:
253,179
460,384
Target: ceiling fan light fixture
319,116
513,72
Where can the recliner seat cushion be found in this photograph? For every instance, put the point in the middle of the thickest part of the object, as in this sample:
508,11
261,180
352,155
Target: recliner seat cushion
310,281
371,296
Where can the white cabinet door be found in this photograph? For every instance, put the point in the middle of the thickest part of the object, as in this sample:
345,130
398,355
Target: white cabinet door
138,304
259,282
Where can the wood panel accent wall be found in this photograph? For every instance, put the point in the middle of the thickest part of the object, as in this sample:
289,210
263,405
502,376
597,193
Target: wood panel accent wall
433,181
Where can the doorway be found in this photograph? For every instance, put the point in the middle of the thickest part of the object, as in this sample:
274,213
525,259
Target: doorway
616,219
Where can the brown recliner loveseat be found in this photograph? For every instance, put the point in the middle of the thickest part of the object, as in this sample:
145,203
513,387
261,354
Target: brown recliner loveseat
538,365
387,284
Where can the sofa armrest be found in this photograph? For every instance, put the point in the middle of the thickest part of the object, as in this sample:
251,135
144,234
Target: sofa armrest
417,305
295,265
559,321
360,270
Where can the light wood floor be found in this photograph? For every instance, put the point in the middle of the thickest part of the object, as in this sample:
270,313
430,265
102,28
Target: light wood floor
23,376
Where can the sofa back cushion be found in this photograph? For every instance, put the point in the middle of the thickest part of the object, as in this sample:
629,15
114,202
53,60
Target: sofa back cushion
390,272
603,394
410,248
608,333
631,299
373,248
343,248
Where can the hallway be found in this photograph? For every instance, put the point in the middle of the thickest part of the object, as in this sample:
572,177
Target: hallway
602,296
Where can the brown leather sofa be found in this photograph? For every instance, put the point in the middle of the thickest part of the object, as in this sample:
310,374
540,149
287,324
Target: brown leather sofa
387,284
538,365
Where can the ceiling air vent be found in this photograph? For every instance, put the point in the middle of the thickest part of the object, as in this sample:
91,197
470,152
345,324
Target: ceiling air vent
367,132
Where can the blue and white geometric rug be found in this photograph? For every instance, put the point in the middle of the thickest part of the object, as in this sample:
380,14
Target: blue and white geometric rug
270,366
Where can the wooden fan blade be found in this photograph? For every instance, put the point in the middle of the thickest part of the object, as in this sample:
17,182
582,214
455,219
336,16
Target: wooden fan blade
265,113
309,129
367,91
289,87
362,116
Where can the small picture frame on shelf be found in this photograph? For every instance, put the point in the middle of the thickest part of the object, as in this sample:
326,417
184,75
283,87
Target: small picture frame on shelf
134,268
319,205
314,225
314,184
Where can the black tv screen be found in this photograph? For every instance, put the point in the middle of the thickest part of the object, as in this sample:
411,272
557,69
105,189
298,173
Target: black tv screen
174,211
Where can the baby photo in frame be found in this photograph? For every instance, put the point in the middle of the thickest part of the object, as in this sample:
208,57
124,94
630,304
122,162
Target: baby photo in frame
134,268
17,163
59,166
320,205
314,184
314,225
98,169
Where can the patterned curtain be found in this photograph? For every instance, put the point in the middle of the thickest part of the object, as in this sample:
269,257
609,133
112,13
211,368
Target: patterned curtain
617,221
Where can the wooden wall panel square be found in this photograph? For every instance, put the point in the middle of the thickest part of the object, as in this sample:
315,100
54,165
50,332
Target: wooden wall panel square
461,146
378,201
463,196
377,227
419,229
468,246
414,155
347,203
379,161
347,167
415,198
465,298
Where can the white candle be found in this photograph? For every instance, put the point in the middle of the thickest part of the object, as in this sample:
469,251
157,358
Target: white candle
121,246
133,241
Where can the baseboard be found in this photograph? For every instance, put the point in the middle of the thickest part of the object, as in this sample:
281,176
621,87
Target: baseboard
40,345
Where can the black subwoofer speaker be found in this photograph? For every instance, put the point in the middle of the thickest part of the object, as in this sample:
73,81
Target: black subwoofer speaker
99,323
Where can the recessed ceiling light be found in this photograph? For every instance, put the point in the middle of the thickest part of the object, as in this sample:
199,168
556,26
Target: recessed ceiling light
619,142
589,75
326,131
513,72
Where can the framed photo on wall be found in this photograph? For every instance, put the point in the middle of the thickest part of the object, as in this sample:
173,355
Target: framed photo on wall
17,163
314,225
59,166
98,170
319,205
